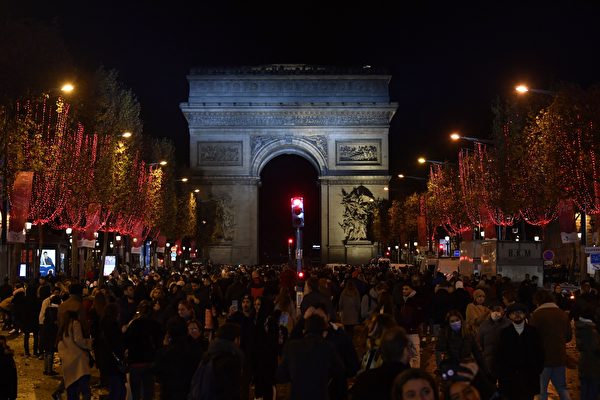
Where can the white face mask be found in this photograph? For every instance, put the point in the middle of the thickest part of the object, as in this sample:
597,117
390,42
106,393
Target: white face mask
519,327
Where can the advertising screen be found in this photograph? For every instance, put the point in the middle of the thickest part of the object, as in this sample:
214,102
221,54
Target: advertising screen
110,262
23,270
48,262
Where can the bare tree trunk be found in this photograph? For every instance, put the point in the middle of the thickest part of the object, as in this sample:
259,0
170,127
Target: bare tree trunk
74,256
104,249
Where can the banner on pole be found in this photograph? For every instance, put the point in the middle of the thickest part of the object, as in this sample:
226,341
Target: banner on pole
20,197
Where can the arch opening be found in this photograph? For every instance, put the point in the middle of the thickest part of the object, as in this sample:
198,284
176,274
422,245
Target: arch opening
284,176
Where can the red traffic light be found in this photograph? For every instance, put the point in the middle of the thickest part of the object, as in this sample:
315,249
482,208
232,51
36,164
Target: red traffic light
297,212
290,241
300,274
442,246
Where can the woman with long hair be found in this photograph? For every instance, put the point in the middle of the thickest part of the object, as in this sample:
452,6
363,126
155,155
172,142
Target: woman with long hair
376,326
74,351
349,306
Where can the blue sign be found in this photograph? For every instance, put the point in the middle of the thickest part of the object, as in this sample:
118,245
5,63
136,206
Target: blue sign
595,258
457,253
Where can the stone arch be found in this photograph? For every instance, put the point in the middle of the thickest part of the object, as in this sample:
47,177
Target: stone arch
297,146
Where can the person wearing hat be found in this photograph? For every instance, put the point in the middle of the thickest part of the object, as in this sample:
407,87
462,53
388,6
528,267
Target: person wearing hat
489,335
519,358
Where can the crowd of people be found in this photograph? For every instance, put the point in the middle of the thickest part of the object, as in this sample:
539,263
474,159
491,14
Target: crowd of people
351,332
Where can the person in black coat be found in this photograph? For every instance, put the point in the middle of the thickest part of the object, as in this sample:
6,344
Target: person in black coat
335,335
8,377
312,364
376,383
48,334
519,357
27,310
143,338
112,338
174,363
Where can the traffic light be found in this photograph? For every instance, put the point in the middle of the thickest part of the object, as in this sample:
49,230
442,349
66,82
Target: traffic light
297,212
300,275
290,241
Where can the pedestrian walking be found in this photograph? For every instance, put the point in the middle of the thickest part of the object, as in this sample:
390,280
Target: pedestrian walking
554,329
519,358
588,344
74,351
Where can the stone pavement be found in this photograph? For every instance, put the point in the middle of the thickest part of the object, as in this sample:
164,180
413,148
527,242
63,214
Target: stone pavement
33,385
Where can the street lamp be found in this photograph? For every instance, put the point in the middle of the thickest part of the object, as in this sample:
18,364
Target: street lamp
184,179
126,135
162,163
523,89
67,88
456,136
423,160
418,178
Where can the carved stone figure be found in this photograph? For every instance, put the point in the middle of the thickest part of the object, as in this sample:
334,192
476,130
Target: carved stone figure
358,210
225,220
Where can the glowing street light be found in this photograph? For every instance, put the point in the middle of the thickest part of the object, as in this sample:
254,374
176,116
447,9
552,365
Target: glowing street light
402,176
126,135
184,179
163,163
386,188
456,136
196,190
522,89
67,88
423,160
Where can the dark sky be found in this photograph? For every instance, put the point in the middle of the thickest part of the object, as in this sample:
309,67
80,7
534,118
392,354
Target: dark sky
447,62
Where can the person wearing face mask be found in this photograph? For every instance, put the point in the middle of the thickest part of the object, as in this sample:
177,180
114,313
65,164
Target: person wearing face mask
455,343
489,335
519,357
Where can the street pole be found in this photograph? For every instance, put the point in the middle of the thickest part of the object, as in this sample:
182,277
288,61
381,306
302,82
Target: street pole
298,250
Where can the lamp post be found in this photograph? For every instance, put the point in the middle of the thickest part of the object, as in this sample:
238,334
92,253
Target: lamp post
523,89
418,178
397,253
456,137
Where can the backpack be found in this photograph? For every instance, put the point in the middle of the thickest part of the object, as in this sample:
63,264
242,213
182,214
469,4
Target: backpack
203,385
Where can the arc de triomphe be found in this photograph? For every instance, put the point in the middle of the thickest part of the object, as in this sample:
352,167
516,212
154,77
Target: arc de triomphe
241,118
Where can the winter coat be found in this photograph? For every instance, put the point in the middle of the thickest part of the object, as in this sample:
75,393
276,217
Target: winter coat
368,304
349,307
409,312
49,329
174,367
227,361
588,344
75,359
489,336
554,328
457,346
112,339
476,314
519,361
8,377
441,304
142,339
26,309
376,384
309,364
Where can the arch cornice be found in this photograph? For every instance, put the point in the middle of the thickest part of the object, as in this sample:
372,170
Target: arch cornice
288,145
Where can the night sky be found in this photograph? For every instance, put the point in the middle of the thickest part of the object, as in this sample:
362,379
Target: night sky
448,63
